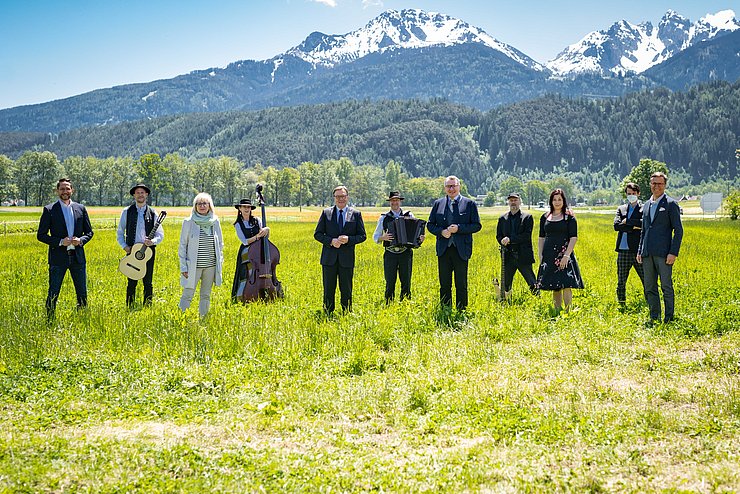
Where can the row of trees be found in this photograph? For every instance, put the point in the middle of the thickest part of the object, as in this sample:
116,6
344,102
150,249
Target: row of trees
174,181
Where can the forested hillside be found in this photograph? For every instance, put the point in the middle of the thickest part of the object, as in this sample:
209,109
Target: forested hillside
696,131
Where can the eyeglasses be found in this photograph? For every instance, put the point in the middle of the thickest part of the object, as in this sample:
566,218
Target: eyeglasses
343,196
452,186
657,183
202,204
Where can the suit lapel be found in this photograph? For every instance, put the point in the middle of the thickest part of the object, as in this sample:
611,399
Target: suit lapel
442,207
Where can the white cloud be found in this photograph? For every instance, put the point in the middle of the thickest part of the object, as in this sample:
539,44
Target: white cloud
371,3
329,3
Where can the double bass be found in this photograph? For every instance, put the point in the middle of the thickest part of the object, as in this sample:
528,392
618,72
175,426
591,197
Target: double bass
262,282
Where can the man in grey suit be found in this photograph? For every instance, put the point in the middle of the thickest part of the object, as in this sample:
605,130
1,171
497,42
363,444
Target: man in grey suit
660,241
339,229
453,220
65,227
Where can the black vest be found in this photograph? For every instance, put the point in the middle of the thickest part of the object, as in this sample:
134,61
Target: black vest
132,216
249,229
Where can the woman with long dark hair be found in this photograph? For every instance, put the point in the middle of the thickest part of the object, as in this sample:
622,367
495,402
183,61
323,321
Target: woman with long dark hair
248,229
558,271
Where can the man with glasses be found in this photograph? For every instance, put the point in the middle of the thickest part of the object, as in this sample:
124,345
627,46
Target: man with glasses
660,241
339,229
514,233
453,220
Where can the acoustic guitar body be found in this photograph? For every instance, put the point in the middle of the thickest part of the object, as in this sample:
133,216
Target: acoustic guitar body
133,266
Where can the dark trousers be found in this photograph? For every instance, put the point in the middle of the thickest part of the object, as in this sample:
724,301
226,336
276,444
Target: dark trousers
655,267
330,276
401,264
56,278
450,263
146,280
625,262
511,266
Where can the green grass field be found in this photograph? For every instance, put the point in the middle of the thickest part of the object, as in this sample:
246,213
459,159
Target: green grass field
386,399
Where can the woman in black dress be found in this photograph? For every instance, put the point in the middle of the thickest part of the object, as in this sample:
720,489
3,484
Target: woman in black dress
248,230
558,270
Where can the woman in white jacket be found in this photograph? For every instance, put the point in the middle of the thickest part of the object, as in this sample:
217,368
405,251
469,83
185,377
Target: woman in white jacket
201,253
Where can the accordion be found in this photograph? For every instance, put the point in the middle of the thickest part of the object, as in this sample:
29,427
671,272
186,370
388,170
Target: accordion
406,232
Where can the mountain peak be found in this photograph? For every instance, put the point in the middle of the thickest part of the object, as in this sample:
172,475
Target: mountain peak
396,29
626,47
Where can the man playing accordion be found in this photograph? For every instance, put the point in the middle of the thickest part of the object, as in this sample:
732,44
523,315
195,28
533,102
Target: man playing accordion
398,257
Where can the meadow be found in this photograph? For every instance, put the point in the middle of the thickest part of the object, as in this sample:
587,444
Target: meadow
278,398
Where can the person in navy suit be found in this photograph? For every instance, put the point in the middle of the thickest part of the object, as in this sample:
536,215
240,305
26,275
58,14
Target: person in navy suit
628,224
65,227
660,241
453,220
339,229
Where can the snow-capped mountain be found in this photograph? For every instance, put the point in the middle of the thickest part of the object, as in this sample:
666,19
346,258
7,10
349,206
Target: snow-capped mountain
392,30
629,48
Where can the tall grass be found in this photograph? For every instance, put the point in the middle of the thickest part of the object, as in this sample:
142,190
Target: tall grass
396,398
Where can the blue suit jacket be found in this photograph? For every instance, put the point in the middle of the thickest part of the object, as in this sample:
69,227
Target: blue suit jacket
327,228
632,227
467,220
53,229
662,235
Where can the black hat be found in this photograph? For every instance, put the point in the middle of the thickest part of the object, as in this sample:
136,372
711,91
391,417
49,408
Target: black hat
394,194
513,194
139,186
245,202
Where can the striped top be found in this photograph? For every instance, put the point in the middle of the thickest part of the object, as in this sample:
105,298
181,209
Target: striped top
206,250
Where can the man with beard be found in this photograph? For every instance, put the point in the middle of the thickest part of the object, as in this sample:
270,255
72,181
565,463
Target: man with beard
65,227
514,233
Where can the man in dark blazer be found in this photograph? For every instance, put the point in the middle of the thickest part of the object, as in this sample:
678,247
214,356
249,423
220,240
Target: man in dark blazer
660,241
514,233
65,227
453,220
628,224
339,229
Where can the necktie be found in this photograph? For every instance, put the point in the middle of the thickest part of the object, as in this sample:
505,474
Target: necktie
341,219
455,210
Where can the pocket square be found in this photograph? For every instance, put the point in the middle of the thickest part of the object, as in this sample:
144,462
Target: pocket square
661,209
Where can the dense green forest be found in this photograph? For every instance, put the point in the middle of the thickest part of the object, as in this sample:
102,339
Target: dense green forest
694,132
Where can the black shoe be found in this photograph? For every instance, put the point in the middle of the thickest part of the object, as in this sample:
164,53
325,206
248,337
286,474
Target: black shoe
667,320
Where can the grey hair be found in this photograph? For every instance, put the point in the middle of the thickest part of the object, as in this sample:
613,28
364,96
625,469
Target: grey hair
204,196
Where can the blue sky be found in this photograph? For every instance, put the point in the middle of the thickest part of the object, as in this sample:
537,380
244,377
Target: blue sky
53,49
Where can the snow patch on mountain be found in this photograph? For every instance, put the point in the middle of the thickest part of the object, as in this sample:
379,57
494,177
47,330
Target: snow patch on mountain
392,30
633,48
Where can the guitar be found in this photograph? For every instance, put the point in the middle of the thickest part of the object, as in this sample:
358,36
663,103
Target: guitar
133,266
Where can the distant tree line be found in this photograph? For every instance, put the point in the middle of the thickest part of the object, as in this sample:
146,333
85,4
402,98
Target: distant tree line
174,180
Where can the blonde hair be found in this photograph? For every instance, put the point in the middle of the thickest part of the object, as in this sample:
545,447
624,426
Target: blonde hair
204,196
